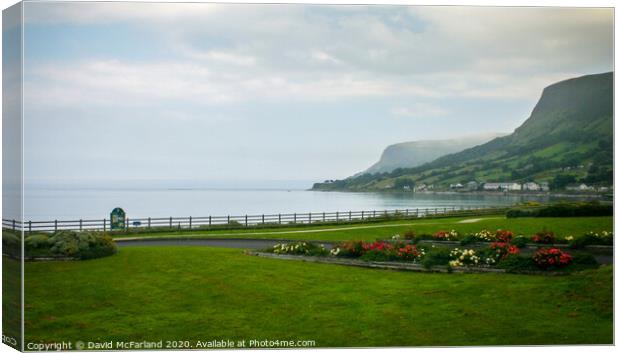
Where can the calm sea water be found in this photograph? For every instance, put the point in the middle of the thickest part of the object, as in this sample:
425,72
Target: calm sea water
44,203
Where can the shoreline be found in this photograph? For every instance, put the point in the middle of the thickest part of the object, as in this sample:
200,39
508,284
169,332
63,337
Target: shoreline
483,193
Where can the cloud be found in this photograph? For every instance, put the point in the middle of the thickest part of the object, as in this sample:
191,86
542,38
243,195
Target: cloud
226,54
89,13
419,110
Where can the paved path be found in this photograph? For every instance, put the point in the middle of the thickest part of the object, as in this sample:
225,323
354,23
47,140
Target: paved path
322,230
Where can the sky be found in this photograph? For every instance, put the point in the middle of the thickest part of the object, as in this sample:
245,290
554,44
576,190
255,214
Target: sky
241,94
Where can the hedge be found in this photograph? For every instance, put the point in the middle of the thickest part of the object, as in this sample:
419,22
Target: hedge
564,210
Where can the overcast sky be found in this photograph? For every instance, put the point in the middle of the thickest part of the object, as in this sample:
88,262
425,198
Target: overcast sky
216,92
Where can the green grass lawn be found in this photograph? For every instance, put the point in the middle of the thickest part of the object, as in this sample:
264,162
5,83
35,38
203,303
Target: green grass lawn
201,293
562,226
11,301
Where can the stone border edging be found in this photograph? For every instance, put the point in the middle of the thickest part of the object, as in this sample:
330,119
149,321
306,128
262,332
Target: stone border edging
399,266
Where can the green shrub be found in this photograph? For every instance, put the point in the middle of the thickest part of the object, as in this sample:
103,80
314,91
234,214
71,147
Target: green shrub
521,212
11,243
517,263
591,238
375,255
436,256
81,245
519,241
583,260
582,209
468,239
37,241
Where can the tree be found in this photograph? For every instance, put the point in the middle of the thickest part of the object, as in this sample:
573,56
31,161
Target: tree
560,181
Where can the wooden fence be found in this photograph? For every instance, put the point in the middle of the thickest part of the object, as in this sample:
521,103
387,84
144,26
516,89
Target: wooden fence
280,219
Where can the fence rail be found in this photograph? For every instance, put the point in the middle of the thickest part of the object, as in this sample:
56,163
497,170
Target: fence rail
207,222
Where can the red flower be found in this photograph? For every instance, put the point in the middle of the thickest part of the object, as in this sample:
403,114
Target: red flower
504,236
547,258
544,237
504,249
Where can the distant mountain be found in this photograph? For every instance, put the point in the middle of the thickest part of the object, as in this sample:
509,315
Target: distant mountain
414,153
568,137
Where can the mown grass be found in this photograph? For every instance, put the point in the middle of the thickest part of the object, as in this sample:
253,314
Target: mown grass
11,301
201,293
562,226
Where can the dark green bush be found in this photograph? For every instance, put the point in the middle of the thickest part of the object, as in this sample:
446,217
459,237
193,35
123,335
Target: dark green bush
603,238
519,241
378,256
469,239
11,244
521,212
436,256
81,245
583,260
517,263
582,209
37,241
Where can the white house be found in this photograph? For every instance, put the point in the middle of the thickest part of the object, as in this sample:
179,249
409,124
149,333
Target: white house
456,186
472,185
580,187
544,186
502,186
531,186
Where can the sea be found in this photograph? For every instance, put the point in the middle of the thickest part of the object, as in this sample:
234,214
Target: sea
71,202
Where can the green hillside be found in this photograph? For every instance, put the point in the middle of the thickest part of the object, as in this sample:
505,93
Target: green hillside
414,153
567,138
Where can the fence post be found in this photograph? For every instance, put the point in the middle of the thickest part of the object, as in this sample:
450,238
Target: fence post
80,225
30,226
170,222
246,220
374,213
13,224
309,217
323,216
349,216
295,218
406,212
228,219
362,215
55,225
263,219
104,223
149,222
127,223
209,221
279,218
337,216
190,222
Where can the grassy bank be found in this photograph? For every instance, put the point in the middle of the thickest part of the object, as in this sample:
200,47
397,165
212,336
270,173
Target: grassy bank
562,226
201,293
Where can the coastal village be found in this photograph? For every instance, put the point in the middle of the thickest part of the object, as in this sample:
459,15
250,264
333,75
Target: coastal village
507,187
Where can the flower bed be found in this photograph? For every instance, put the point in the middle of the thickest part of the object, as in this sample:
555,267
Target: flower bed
500,254
506,236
